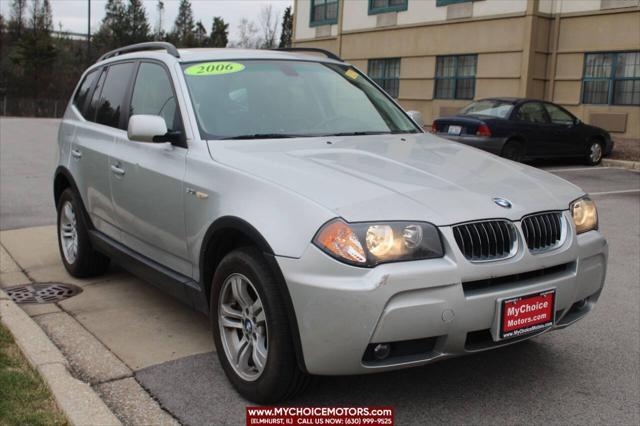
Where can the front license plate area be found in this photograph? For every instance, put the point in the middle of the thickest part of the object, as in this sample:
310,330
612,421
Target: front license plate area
455,130
522,315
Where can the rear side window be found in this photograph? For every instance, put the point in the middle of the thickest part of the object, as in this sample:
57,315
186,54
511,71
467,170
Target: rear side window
532,112
557,115
80,98
112,100
95,99
153,94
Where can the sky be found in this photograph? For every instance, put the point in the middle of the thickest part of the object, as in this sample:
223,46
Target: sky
72,14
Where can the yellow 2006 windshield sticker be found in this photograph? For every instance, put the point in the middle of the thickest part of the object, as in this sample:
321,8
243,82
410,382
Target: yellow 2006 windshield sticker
351,74
214,68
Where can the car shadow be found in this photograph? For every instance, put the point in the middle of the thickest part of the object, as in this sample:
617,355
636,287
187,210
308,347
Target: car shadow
557,162
481,388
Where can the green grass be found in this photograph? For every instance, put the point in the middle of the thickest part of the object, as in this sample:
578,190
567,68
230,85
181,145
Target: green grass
24,398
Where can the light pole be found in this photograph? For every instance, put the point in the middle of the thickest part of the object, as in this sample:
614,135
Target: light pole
88,30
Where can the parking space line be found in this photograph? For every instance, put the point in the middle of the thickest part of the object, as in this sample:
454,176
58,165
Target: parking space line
622,191
578,169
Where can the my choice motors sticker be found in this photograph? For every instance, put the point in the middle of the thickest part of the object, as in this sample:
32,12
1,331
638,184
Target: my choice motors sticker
527,314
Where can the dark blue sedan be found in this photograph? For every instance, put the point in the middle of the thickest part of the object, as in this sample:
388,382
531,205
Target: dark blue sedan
525,129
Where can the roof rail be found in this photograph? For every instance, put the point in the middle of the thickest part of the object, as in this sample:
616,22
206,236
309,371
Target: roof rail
327,53
152,45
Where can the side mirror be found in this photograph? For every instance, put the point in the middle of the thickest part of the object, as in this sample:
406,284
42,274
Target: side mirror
417,117
144,128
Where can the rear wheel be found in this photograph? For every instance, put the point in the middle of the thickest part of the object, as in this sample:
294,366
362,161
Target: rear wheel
595,152
513,150
79,258
251,331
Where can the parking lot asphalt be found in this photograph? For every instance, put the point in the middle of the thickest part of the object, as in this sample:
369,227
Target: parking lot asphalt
588,373
28,149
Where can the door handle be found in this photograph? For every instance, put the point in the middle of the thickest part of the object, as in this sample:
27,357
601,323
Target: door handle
117,170
76,154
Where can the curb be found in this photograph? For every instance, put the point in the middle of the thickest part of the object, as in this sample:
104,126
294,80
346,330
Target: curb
80,404
632,165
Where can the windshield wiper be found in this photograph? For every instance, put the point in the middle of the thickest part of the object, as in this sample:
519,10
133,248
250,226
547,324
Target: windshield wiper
358,133
264,136
364,133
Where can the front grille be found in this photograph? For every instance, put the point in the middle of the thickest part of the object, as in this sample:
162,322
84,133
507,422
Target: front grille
542,231
485,240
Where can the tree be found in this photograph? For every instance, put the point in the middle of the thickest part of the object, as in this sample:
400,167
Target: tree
286,34
16,20
247,36
3,46
138,29
269,26
219,33
200,35
114,29
183,28
35,53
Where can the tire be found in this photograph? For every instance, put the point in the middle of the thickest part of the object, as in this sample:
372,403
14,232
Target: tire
245,271
513,150
595,152
79,258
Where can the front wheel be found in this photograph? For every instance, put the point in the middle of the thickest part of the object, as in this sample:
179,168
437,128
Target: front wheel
595,153
251,331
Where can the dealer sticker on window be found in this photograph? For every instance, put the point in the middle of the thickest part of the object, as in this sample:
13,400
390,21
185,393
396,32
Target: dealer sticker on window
527,314
351,74
214,68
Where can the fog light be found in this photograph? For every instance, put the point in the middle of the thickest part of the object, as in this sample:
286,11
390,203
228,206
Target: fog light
382,351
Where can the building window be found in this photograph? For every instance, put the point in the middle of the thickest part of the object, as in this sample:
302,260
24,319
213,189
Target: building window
324,12
384,6
448,2
386,73
611,78
456,77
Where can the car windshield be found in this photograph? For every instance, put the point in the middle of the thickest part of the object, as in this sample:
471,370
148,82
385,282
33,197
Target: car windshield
252,99
493,108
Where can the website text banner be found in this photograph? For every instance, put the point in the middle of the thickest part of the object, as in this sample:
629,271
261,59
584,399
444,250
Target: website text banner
319,416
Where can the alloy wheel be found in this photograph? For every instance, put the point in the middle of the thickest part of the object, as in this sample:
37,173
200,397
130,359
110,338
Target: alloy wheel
243,327
69,233
595,153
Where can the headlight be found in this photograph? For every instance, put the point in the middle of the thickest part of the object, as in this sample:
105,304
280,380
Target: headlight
369,244
585,215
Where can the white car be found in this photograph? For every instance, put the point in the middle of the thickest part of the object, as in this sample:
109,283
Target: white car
286,195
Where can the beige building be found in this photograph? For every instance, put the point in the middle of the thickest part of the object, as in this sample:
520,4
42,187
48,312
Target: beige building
436,55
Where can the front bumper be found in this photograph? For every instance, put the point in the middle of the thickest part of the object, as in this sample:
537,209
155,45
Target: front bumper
341,310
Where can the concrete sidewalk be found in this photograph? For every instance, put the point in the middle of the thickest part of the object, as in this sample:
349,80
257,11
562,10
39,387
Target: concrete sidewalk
116,326
138,323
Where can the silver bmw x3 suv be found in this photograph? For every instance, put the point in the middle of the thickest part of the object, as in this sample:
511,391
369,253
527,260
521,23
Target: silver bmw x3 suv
288,197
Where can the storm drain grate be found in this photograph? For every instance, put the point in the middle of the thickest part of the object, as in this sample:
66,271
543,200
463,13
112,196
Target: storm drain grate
42,292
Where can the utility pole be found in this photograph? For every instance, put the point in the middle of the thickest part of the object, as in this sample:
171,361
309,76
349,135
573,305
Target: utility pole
89,31
160,8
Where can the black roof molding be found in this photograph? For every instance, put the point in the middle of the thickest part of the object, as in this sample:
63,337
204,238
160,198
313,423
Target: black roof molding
152,45
327,53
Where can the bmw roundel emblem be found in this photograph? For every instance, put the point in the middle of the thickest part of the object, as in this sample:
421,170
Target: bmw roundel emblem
502,202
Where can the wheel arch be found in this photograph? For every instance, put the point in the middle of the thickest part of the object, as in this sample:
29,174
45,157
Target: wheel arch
228,233
62,180
514,138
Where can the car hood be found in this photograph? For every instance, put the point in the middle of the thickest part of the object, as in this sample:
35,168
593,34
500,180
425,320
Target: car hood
398,177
